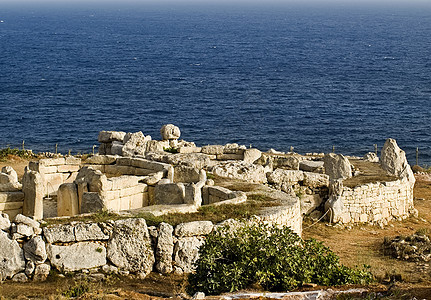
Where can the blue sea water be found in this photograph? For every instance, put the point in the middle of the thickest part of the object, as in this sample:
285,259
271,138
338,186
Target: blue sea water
303,75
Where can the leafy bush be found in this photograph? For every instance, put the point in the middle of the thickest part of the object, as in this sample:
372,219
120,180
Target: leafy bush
5,152
237,256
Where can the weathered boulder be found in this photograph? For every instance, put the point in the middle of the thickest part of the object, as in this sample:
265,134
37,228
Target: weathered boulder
33,187
251,155
20,277
241,170
194,228
89,232
153,178
75,257
164,248
393,160
314,180
110,136
157,146
337,166
285,162
11,172
311,165
11,257
130,246
170,132
186,252
4,222
19,231
41,272
35,250
193,193
135,144
67,200
92,202
213,149
59,233
371,157
282,176
89,180
335,203
21,219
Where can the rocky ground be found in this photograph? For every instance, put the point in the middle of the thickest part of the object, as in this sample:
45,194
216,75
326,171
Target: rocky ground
356,245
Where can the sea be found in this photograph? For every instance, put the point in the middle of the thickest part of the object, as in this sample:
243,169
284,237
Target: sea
315,76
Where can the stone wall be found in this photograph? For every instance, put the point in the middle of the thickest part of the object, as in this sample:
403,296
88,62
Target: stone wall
376,203
127,246
11,195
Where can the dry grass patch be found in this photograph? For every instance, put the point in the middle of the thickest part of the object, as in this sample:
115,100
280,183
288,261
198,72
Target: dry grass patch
369,173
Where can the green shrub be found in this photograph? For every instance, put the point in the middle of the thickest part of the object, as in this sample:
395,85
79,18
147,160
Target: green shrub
277,259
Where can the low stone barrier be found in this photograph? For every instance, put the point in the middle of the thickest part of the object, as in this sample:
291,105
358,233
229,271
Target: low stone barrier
127,246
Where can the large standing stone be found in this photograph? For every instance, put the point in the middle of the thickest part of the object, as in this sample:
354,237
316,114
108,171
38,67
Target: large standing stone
170,132
35,250
83,255
188,174
170,193
92,202
67,200
135,144
394,161
337,166
164,248
186,252
34,191
130,246
11,257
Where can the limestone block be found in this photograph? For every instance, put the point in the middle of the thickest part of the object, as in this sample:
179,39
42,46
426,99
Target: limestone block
251,155
113,205
21,230
193,193
4,222
310,165
170,132
103,149
290,177
117,148
21,219
337,166
71,160
110,136
149,165
101,159
111,195
164,248
11,206
20,277
154,178
171,193
35,250
68,168
213,149
188,174
186,252
67,200
75,257
230,156
138,201
219,192
187,150
89,232
125,203
130,246
59,233
33,187
151,198
36,166
92,202
241,170
195,228
11,172
145,172
314,180
41,272
11,197
46,162
124,161
11,257
135,144
137,189
29,268
119,170
95,180
123,182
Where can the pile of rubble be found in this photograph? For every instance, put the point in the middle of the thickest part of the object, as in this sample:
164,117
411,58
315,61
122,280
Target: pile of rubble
416,247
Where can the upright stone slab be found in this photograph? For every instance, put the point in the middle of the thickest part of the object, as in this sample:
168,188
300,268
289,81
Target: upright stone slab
394,161
337,166
33,188
67,200
164,248
130,246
